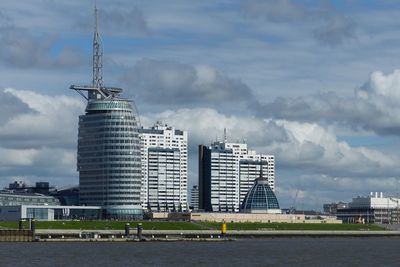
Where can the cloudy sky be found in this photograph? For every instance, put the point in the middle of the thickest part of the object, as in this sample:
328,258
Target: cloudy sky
316,83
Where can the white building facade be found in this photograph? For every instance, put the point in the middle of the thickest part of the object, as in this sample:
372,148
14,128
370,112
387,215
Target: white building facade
164,168
375,208
226,173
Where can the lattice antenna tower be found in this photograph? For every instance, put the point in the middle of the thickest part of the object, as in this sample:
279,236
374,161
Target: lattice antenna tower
97,90
97,53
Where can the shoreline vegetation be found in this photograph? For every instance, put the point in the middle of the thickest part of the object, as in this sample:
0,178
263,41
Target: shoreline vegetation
178,225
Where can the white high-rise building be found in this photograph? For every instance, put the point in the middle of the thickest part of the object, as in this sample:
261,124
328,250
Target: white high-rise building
226,173
164,168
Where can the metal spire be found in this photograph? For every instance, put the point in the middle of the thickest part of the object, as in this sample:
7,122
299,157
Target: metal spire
97,54
96,90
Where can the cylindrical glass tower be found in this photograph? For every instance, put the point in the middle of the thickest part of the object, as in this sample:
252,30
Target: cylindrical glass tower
109,162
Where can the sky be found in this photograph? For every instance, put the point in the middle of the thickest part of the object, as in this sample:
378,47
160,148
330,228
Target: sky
315,83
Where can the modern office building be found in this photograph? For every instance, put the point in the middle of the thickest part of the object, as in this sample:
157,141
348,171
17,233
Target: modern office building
109,162
226,173
218,179
164,168
374,208
194,198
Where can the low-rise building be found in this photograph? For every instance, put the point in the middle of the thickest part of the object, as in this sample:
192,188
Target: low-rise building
49,212
14,199
374,208
331,208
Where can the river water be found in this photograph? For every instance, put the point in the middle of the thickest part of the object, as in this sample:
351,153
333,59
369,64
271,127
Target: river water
298,251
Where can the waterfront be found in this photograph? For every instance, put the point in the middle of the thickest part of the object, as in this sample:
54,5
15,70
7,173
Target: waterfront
300,251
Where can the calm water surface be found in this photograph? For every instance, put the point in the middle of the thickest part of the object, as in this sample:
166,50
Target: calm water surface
370,251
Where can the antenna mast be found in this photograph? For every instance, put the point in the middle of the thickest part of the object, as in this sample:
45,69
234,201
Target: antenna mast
97,54
225,140
96,90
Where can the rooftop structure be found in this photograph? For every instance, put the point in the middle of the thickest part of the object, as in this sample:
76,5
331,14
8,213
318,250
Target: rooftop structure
22,187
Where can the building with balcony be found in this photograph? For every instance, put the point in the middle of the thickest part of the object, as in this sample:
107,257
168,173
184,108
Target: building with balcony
164,168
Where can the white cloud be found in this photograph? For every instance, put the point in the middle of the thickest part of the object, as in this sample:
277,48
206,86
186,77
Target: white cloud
172,83
39,141
373,108
51,120
307,146
16,157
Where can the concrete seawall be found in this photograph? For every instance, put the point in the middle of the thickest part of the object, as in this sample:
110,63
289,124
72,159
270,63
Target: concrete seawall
189,234
15,235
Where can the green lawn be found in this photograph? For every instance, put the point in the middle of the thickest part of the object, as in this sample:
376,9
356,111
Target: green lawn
160,225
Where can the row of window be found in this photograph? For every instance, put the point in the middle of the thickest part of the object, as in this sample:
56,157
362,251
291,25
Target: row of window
109,172
83,130
84,160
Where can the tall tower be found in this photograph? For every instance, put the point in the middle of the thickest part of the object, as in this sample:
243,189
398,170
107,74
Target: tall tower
109,162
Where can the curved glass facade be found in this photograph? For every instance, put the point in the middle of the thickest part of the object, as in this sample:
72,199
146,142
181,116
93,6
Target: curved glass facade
260,198
109,161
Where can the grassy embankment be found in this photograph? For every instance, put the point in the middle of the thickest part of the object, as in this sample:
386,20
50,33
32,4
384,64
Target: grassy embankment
160,225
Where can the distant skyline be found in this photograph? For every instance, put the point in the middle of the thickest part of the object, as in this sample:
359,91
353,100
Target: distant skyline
316,83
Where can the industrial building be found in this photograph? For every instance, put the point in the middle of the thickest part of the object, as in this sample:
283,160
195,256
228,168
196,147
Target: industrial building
374,208
226,173
109,161
164,168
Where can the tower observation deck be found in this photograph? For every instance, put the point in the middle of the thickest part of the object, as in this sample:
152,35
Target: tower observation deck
109,161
